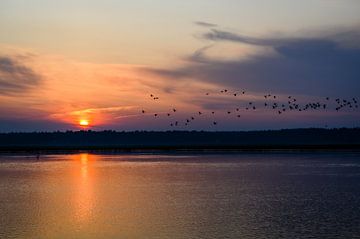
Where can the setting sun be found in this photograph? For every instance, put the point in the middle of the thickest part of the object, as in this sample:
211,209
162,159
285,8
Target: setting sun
84,123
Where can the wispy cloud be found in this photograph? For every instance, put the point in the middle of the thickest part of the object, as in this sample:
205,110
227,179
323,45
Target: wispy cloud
218,35
116,110
204,24
102,110
15,76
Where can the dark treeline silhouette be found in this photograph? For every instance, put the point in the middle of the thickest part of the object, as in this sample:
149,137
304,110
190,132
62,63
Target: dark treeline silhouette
272,139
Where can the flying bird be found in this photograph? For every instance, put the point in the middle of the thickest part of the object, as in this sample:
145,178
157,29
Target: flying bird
289,105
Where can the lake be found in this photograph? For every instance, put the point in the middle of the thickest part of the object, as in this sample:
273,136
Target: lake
270,195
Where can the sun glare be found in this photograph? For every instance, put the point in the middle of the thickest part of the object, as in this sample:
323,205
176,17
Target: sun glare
84,123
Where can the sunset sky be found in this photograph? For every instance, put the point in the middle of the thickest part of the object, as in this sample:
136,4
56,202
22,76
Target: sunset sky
94,62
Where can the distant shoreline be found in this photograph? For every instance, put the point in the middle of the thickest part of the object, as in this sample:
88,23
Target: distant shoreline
286,140
182,149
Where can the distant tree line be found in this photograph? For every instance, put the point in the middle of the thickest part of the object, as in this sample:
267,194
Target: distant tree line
186,139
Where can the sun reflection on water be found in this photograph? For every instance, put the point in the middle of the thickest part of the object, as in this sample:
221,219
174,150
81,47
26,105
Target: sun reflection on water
84,166
84,199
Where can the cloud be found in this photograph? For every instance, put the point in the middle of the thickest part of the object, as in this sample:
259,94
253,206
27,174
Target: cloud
205,24
15,76
102,110
217,35
311,66
32,125
346,36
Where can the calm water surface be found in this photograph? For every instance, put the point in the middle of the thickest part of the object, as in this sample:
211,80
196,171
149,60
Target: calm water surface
180,196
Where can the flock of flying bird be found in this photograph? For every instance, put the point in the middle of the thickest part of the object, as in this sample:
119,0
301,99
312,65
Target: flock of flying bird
270,102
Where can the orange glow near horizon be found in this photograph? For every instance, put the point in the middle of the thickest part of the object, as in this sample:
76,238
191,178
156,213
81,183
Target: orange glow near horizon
84,123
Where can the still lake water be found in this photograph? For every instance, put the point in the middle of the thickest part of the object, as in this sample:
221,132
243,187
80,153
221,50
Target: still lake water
181,196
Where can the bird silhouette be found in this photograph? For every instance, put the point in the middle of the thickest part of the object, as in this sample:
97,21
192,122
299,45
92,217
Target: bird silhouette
283,105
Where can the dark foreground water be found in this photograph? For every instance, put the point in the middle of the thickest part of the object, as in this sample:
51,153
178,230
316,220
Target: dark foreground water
177,196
